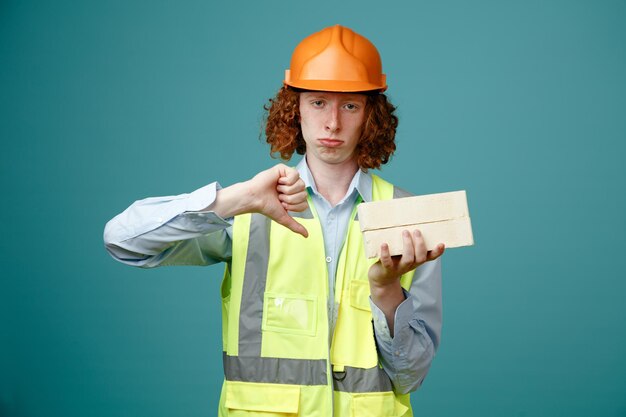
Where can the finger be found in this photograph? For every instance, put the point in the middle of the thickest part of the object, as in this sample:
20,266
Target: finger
291,189
437,252
421,253
293,198
296,207
408,253
292,225
385,258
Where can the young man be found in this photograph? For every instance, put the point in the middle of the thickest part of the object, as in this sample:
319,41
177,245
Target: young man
299,296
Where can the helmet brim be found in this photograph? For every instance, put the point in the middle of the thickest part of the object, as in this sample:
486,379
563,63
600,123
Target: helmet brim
337,86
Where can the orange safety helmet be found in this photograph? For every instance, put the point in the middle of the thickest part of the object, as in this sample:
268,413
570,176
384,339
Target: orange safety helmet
336,59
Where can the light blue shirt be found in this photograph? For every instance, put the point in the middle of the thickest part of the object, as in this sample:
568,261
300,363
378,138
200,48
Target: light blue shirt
175,230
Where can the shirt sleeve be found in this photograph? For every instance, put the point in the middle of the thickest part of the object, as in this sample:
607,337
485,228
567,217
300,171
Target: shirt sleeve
171,230
417,330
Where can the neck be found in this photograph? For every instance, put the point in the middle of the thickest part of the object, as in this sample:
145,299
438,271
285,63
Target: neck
332,180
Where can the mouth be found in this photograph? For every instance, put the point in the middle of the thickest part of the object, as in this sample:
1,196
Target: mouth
330,143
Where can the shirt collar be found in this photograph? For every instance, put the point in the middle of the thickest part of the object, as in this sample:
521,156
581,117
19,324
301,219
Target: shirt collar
362,181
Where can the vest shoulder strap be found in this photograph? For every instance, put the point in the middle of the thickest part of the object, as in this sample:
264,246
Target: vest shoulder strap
384,190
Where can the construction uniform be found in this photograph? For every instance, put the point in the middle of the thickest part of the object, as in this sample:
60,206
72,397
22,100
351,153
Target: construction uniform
295,342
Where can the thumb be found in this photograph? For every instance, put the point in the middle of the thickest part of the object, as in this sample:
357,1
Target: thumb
288,221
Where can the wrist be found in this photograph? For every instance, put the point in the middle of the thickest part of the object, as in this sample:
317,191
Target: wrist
248,199
380,290
234,200
387,297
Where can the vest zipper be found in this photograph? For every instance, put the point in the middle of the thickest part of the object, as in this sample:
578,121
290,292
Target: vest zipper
331,307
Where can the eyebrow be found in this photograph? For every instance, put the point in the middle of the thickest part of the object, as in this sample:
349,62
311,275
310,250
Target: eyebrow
350,97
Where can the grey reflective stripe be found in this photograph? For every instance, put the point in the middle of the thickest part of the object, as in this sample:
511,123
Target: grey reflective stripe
400,193
306,214
255,276
275,370
362,380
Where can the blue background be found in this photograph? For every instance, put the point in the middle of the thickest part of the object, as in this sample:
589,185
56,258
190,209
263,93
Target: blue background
523,104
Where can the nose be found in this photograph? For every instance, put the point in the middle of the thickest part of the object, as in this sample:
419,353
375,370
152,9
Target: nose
333,123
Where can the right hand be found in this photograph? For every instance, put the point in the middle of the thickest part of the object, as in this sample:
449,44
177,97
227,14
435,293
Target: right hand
278,190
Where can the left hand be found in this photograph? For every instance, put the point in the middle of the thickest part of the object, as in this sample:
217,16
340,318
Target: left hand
389,269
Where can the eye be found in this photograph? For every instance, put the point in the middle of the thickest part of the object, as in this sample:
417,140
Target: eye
317,103
351,106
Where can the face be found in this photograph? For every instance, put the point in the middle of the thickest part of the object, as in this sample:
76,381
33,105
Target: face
331,125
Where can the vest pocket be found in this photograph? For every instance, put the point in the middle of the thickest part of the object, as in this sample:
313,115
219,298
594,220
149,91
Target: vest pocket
360,294
289,313
377,404
261,400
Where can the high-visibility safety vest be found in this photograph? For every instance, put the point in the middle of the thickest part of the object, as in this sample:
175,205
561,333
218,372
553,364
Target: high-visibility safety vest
280,356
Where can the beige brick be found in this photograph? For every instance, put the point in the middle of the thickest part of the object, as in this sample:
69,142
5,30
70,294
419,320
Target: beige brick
412,210
441,218
453,233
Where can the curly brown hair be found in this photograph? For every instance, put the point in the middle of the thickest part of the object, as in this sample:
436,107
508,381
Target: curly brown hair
375,147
